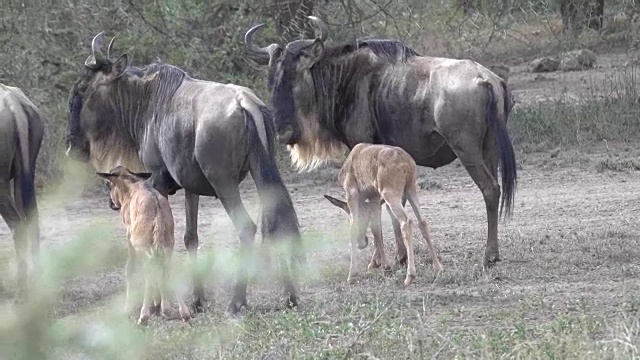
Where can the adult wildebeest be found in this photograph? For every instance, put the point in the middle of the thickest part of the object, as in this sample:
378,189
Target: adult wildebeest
201,136
382,91
21,132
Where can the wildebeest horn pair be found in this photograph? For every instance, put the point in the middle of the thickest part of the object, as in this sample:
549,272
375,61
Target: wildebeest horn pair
266,53
97,58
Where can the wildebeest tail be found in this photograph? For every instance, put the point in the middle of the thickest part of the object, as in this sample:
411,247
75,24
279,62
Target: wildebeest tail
26,177
507,157
279,218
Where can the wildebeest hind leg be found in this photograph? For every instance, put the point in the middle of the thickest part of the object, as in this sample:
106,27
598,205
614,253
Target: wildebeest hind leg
191,202
229,195
472,158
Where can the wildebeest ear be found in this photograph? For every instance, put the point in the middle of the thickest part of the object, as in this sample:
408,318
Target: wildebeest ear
143,175
107,176
119,66
339,203
313,53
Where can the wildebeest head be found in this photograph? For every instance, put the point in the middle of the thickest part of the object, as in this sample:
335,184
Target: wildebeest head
293,90
118,181
89,110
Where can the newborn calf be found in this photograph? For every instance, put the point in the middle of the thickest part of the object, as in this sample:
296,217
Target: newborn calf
372,172
149,223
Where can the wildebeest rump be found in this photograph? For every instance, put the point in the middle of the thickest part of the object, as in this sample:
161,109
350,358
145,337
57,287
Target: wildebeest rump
373,172
201,136
21,132
382,91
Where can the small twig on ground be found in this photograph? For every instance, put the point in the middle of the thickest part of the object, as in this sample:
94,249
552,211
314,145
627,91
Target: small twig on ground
364,330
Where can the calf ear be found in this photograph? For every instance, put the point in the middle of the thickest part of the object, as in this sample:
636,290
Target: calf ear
381,201
107,176
339,203
119,67
143,175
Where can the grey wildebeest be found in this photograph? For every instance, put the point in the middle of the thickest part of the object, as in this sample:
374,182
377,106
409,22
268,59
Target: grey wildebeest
148,219
200,136
372,174
381,91
21,132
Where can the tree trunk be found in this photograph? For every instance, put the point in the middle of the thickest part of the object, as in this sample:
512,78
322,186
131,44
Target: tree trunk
578,14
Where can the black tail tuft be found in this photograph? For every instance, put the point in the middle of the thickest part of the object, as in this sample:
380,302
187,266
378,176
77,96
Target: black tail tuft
507,157
279,218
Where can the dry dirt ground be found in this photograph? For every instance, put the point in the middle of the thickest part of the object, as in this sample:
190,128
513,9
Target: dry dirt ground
567,286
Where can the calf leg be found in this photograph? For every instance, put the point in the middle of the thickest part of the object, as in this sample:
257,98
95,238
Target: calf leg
191,243
424,230
401,250
129,271
149,277
405,225
163,282
379,257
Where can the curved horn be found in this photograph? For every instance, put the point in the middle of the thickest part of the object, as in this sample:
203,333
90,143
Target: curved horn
109,48
248,40
96,48
324,31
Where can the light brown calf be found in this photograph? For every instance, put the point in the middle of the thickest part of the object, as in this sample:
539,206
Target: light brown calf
149,223
371,175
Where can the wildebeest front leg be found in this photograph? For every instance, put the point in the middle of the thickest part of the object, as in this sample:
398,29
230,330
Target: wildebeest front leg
401,250
229,195
12,218
191,202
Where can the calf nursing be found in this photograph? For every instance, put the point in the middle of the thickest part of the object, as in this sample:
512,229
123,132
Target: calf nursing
373,174
149,223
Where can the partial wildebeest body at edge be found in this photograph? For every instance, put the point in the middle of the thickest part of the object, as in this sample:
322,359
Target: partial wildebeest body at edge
148,219
371,175
21,132
382,91
198,135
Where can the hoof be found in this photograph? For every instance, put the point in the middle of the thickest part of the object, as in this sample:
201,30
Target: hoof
489,262
373,265
409,280
401,260
143,321
197,307
292,302
235,306
186,316
156,309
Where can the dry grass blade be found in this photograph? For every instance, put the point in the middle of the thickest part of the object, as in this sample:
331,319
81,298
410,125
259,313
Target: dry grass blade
362,331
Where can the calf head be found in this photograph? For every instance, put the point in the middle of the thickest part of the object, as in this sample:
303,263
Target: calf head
119,181
358,220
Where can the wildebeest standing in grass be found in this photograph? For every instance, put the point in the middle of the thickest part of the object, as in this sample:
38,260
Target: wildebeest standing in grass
21,132
148,219
373,172
381,91
201,136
